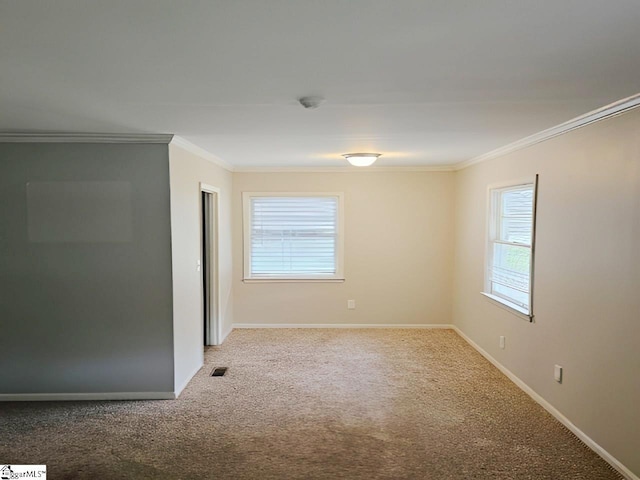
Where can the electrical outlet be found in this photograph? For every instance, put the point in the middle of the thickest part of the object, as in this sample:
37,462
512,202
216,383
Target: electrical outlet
502,340
351,304
557,373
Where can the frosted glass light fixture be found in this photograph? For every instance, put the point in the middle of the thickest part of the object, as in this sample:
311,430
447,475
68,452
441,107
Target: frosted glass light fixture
361,159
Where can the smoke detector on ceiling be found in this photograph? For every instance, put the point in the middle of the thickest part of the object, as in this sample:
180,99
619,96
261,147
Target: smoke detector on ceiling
311,102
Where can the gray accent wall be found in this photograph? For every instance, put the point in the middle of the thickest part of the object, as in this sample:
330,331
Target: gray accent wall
85,310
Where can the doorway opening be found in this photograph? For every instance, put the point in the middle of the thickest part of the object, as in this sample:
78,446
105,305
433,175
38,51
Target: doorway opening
210,281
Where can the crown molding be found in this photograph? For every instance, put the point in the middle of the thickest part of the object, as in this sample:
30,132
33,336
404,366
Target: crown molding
398,169
608,111
201,152
612,110
61,137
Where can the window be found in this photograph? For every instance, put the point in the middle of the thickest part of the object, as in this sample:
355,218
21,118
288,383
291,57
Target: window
293,236
510,247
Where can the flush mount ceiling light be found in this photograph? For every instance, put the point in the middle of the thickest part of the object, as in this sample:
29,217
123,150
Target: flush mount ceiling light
361,159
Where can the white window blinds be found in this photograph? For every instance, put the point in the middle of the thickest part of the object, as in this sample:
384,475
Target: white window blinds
510,249
292,236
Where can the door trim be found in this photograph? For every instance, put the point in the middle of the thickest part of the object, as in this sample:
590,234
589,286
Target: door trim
214,332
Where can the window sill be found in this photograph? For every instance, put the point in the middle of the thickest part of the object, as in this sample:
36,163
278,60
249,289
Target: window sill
293,280
509,307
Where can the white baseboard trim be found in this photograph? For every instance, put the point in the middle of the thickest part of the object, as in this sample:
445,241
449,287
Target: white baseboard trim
57,397
226,334
606,456
341,325
186,382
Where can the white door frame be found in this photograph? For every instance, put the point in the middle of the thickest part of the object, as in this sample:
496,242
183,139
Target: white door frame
213,329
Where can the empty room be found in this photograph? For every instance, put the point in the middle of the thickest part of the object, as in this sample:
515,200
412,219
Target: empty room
320,239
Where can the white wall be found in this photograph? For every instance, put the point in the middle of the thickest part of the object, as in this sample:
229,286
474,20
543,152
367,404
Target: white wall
187,172
398,251
587,278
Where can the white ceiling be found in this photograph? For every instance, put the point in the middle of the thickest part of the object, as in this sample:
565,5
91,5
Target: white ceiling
423,82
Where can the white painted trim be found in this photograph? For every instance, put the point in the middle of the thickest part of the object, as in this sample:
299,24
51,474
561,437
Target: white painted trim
293,280
614,109
343,325
187,380
518,182
508,306
209,188
200,152
346,169
226,334
608,111
491,234
85,138
246,236
56,397
606,456
217,293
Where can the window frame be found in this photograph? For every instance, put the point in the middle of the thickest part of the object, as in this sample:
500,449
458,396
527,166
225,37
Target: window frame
493,208
339,252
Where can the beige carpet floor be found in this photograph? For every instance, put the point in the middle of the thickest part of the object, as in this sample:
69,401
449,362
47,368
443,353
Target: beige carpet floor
312,404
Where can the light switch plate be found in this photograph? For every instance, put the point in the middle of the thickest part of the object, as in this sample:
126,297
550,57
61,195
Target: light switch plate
557,373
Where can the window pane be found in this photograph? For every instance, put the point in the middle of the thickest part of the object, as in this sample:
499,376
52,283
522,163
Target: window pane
511,294
517,202
517,230
516,214
293,236
510,272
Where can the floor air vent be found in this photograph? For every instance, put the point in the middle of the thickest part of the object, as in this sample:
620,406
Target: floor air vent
219,372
